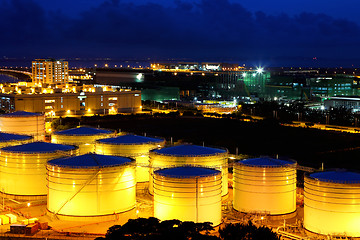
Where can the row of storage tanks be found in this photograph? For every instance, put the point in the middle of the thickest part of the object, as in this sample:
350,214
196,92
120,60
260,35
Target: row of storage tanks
105,183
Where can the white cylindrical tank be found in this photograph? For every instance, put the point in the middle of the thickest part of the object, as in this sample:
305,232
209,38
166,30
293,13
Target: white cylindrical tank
332,203
188,154
137,147
83,137
22,167
91,185
8,139
265,185
25,123
188,194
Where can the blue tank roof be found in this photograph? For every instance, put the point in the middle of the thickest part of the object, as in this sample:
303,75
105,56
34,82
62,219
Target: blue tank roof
337,176
130,139
265,162
83,131
38,147
90,160
21,114
187,172
189,150
6,137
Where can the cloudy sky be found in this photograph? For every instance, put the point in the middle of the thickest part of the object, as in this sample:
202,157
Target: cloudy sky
274,32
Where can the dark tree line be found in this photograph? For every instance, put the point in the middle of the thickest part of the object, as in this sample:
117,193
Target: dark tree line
154,229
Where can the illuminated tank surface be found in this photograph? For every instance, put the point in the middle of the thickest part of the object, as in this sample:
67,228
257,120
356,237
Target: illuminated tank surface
332,203
83,137
134,146
91,185
188,154
22,166
188,194
26,123
265,185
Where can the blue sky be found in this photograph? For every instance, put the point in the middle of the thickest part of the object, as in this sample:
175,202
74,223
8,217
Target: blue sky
226,30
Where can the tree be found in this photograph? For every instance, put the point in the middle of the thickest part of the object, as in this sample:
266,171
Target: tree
246,232
152,229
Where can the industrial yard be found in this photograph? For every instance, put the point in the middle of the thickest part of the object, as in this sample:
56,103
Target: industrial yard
125,176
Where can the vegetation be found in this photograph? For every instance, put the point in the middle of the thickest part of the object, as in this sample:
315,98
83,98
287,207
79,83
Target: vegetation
59,124
153,229
246,232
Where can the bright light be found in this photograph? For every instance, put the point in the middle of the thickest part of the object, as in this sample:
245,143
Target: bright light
244,74
68,111
260,70
139,76
89,110
28,204
322,107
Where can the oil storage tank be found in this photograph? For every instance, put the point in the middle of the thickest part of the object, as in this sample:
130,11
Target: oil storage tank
83,137
188,154
265,185
188,194
8,139
332,202
26,123
91,185
129,145
22,167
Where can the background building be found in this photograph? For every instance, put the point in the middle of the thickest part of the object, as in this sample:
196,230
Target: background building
50,71
79,103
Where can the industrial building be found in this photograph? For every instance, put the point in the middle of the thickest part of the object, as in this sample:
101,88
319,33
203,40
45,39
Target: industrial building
352,103
90,185
265,185
187,154
83,137
23,174
74,103
50,71
26,123
332,203
188,194
129,145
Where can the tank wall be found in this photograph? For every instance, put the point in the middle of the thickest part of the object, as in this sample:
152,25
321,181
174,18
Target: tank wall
33,125
86,144
218,162
140,152
91,192
25,174
271,190
188,199
331,208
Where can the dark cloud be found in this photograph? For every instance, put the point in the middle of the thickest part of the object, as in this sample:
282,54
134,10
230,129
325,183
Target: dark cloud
206,29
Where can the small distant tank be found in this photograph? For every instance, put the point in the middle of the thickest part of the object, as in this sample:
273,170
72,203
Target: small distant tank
83,137
134,146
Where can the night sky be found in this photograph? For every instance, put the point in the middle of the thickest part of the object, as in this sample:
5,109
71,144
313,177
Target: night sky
273,33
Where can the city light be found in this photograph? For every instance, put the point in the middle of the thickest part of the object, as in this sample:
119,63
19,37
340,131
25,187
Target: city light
260,70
